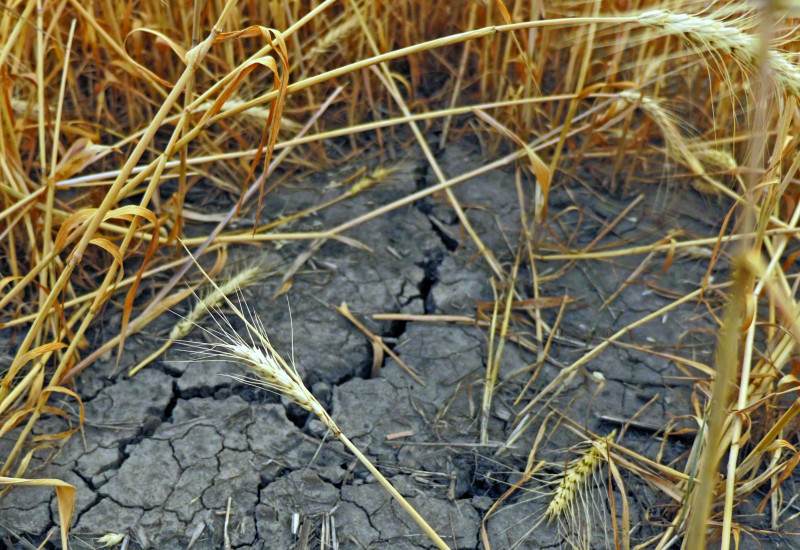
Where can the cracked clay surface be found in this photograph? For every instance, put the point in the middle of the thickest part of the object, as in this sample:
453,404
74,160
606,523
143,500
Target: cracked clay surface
162,454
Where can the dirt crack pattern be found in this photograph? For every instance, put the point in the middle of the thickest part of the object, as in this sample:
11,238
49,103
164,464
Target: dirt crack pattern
161,454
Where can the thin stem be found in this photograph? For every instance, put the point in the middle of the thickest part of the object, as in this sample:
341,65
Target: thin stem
437,540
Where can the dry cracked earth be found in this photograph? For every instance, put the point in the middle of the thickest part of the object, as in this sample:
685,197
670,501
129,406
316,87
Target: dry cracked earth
163,454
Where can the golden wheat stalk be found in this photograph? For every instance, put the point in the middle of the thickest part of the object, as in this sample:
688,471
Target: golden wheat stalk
334,36
257,114
667,124
571,488
727,38
212,300
576,478
274,374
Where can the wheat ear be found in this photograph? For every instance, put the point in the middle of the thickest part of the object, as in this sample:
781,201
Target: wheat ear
276,375
669,128
676,145
333,36
212,300
726,38
576,478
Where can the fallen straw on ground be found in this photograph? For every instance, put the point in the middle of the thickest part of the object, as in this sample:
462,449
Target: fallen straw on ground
274,374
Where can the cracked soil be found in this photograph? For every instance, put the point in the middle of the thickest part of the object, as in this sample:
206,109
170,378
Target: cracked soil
161,454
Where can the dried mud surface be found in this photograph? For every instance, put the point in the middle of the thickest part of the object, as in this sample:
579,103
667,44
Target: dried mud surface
162,453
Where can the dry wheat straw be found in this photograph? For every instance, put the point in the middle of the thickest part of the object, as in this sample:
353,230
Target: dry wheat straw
717,159
668,126
576,479
677,146
727,38
570,490
257,114
212,300
332,37
274,374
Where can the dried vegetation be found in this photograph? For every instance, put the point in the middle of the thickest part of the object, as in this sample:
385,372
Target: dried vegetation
122,123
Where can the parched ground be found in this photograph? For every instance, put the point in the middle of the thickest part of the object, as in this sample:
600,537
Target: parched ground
163,454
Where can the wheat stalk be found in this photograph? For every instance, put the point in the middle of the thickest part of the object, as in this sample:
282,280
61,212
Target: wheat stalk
332,37
717,159
726,38
678,147
576,478
666,122
571,487
258,114
274,374
212,300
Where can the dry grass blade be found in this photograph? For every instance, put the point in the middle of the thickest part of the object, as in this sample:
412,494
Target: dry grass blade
65,499
379,347
554,387
496,350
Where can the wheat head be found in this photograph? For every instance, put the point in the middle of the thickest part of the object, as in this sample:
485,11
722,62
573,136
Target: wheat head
576,478
726,38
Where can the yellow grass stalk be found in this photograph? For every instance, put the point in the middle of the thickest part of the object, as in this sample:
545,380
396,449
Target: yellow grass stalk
206,244
572,485
18,26
379,347
86,236
562,380
388,81
65,499
333,37
727,363
496,351
667,125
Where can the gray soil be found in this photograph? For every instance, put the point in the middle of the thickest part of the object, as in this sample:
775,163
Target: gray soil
162,454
